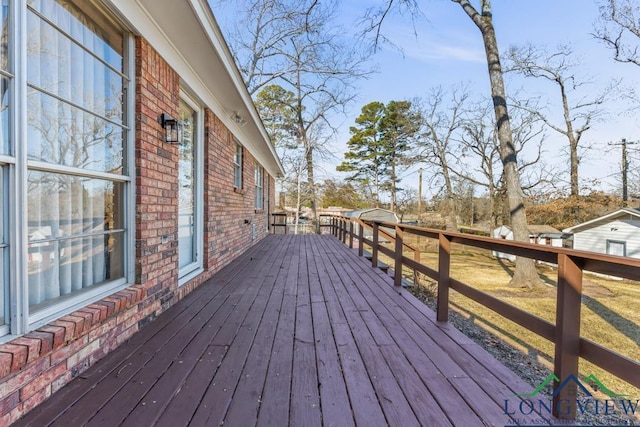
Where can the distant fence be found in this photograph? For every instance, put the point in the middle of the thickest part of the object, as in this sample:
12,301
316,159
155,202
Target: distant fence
565,333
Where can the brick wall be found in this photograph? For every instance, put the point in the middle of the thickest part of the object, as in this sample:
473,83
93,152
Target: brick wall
38,364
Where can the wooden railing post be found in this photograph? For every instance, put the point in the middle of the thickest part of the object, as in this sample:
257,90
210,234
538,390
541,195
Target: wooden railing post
567,340
360,239
397,278
374,249
343,225
350,234
444,265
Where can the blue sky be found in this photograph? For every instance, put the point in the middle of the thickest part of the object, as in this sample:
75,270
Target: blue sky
446,49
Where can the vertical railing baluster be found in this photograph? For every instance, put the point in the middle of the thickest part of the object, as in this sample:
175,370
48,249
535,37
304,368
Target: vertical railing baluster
567,339
374,249
360,238
397,278
444,266
350,234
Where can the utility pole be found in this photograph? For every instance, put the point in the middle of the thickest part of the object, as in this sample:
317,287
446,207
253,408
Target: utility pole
625,167
419,194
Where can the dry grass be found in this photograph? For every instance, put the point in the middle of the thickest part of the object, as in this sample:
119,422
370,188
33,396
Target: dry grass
610,315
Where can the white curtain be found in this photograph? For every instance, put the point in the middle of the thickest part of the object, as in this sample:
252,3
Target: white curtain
186,187
62,206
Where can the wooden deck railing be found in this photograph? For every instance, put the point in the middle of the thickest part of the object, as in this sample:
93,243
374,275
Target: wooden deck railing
565,333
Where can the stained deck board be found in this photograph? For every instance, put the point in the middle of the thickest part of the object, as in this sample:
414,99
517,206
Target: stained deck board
119,359
175,377
193,337
489,374
336,409
298,331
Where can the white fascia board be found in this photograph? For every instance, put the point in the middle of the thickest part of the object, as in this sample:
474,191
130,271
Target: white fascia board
611,215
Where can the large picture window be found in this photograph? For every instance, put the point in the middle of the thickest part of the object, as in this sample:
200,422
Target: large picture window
67,168
7,161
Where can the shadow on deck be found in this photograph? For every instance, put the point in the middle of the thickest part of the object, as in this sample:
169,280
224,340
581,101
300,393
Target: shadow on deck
298,331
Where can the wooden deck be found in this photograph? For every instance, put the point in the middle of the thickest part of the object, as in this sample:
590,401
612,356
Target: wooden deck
299,331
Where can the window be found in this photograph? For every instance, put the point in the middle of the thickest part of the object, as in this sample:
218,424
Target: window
615,247
190,190
237,167
71,174
259,188
7,162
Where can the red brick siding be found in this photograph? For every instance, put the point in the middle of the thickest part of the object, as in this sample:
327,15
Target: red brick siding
38,364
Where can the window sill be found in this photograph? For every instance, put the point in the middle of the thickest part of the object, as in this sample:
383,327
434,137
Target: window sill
259,211
239,190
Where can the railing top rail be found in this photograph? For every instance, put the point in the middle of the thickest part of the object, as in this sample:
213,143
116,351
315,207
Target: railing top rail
382,231
545,251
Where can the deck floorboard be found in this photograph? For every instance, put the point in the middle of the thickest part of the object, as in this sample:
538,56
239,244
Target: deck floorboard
298,331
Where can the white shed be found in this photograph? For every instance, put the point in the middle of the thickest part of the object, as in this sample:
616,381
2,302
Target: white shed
538,234
616,233
376,214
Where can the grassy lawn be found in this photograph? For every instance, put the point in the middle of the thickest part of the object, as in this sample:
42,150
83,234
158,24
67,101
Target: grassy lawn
610,308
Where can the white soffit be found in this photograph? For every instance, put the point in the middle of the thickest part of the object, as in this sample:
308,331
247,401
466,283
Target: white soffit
185,34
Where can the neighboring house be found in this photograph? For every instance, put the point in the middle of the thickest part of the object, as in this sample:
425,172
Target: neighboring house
133,166
538,234
616,233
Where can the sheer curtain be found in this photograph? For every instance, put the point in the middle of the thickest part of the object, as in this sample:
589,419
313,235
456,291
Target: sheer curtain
186,187
71,216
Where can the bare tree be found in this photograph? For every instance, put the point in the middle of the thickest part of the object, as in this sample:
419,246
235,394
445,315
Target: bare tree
579,112
442,117
525,273
479,155
619,28
292,44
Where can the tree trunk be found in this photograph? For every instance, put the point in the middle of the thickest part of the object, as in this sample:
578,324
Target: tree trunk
452,223
573,145
525,274
393,186
312,185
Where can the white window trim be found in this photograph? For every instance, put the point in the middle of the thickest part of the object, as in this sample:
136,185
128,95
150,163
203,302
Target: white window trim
258,167
240,165
20,319
192,270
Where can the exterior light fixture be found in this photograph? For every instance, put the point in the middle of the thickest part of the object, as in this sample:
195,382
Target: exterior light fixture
171,128
236,117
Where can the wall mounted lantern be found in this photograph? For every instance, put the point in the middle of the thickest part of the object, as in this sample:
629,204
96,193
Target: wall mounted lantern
236,117
171,128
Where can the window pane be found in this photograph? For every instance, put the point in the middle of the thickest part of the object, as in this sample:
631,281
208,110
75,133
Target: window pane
60,206
63,206
58,65
4,282
87,26
4,115
67,267
4,15
61,134
186,187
